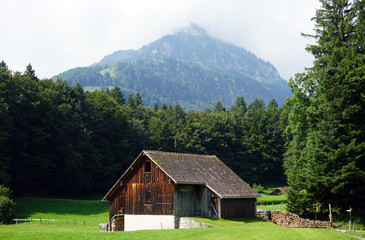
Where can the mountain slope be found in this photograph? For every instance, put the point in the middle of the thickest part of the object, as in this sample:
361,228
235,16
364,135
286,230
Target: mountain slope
190,68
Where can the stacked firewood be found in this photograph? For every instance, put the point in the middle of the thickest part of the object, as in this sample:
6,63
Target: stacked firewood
117,223
291,220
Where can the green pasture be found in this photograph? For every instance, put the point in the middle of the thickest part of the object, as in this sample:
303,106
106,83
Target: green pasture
95,212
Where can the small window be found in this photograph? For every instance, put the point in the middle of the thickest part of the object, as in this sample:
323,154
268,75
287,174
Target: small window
147,167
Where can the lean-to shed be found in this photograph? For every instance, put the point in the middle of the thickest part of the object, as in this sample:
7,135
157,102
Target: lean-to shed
162,186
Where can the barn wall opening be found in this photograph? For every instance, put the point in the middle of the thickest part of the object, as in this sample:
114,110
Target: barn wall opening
147,168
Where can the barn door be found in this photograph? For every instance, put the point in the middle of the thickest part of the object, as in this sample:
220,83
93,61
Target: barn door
186,201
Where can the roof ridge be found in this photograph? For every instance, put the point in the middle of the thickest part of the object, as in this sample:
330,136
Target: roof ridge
178,153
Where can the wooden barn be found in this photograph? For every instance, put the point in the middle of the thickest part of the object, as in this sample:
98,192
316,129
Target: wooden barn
279,191
159,187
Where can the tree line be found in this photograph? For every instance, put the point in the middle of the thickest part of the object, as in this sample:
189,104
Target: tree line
59,139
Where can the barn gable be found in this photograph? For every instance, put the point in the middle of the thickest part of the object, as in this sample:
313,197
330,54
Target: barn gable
179,184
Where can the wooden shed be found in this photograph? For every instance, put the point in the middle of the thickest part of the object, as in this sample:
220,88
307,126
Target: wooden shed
177,185
279,191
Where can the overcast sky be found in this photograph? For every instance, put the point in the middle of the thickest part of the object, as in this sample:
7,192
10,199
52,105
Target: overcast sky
55,36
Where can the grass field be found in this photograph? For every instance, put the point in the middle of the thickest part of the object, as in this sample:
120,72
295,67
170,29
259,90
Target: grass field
95,211
272,199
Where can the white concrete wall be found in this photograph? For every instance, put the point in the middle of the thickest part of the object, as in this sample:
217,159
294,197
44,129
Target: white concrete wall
147,222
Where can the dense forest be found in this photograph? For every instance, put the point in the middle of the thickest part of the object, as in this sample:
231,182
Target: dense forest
59,139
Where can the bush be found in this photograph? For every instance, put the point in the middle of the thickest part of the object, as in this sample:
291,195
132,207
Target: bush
6,210
258,188
6,205
5,191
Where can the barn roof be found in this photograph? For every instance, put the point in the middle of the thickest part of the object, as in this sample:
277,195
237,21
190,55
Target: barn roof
207,170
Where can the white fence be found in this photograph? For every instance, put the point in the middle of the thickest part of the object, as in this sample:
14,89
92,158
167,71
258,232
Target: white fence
45,220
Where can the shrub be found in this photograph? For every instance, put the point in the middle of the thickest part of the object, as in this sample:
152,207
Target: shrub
5,191
6,210
258,188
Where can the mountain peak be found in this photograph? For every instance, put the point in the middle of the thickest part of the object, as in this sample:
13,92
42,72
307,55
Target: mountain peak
194,30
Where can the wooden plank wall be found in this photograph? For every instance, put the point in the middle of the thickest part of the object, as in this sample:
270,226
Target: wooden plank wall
238,207
192,200
147,193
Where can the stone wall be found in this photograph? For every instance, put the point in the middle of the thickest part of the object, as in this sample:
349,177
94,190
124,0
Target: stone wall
291,220
184,223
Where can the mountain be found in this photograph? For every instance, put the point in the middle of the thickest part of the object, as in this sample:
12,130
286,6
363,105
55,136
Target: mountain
190,68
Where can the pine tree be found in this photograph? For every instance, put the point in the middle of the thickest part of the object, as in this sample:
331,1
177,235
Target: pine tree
324,161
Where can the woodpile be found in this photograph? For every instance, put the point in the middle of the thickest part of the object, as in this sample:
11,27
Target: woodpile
117,223
290,220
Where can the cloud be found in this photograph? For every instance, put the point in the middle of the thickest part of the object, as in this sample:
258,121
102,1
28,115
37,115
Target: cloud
57,35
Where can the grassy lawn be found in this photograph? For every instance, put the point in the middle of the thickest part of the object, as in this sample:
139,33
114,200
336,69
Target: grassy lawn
272,199
95,211
272,202
67,211
274,207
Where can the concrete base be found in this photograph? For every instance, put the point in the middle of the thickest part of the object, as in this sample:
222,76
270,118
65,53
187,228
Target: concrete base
148,222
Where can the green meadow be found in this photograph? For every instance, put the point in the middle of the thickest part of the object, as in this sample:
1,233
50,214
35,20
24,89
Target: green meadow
71,211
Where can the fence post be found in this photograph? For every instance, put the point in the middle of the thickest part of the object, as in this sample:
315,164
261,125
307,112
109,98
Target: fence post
67,221
40,219
354,225
74,222
84,222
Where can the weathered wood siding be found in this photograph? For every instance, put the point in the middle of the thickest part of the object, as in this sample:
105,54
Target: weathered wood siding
238,207
145,193
192,200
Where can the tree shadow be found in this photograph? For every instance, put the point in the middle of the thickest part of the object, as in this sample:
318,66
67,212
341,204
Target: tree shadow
248,220
28,206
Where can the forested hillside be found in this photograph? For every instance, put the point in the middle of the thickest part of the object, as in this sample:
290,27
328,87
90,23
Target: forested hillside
59,139
189,68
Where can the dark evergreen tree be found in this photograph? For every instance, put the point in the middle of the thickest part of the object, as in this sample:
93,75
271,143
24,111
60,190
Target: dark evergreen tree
117,94
325,157
30,72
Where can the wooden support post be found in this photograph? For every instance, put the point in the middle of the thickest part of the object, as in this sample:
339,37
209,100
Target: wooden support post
330,215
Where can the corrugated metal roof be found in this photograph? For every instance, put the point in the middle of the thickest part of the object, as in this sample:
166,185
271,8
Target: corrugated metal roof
202,169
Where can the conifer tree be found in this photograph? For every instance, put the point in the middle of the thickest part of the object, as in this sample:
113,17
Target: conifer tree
325,158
